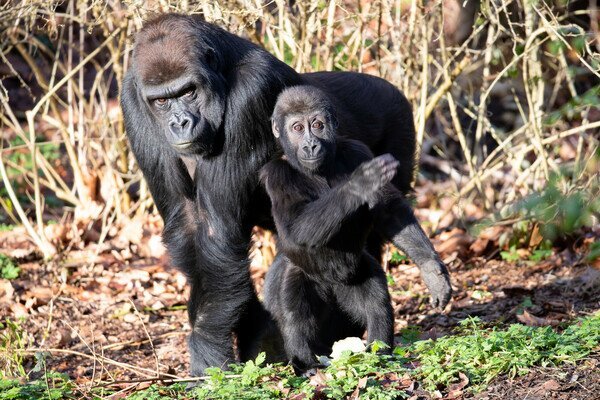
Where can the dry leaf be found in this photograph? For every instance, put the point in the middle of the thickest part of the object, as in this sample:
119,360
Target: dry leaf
456,240
536,237
455,390
42,294
551,385
362,383
531,320
318,379
479,246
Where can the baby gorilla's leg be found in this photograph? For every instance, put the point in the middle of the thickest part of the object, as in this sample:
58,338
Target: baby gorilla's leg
368,301
300,306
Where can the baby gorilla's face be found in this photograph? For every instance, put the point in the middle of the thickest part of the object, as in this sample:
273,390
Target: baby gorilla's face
309,137
304,120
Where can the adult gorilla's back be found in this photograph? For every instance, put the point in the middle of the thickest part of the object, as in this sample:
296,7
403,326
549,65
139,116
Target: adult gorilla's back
197,102
374,111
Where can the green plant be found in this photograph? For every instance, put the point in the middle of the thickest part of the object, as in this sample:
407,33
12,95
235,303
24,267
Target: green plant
52,386
158,392
511,255
8,269
367,371
484,353
398,258
560,209
13,340
540,254
252,380
594,252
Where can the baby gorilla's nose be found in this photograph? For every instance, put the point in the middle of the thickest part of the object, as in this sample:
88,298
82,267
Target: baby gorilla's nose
311,148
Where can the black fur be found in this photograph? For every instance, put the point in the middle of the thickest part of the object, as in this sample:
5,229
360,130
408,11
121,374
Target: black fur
322,272
209,195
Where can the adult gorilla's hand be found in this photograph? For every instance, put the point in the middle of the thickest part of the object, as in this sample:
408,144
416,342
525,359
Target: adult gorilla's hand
436,277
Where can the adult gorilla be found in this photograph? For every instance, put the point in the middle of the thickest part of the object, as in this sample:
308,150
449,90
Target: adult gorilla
197,103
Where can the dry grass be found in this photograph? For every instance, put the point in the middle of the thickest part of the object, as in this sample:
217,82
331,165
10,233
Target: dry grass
497,112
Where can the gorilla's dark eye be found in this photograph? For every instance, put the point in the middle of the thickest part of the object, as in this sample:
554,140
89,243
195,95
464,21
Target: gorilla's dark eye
298,127
161,101
190,92
317,125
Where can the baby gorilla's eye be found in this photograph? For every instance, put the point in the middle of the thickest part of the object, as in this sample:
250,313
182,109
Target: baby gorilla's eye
317,125
298,128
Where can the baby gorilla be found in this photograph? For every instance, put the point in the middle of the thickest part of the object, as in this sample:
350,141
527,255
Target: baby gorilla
323,286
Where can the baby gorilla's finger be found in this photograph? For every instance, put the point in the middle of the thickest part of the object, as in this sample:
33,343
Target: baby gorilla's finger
390,170
391,166
388,159
389,175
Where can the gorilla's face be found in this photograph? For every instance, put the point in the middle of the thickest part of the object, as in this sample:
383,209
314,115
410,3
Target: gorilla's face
180,81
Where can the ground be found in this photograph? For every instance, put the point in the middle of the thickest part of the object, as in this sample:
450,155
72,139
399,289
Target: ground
105,313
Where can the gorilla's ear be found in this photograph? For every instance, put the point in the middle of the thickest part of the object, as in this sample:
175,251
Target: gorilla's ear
331,116
275,128
212,59
334,122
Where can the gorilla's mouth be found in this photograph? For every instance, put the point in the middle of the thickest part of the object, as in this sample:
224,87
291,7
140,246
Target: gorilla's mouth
200,142
313,160
182,145
311,164
197,146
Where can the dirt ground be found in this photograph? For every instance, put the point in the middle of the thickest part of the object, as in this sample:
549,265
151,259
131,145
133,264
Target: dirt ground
107,313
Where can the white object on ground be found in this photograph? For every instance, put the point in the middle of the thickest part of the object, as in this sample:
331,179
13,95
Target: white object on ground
353,344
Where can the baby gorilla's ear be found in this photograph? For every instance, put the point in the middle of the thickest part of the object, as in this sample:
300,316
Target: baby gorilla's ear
331,116
275,129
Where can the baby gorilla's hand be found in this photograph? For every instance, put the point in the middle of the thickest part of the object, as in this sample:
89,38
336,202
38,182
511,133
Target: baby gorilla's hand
371,176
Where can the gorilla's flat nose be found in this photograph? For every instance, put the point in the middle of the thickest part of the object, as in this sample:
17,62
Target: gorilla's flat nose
181,125
312,148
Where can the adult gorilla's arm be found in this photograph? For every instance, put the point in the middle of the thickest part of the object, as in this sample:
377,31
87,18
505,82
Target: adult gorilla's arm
170,184
397,222
375,112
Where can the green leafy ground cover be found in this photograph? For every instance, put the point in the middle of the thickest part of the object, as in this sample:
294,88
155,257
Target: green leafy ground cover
476,352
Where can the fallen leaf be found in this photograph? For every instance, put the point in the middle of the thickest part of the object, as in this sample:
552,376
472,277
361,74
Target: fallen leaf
479,246
18,310
492,233
43,295
531,320
536,237
318,379
362,383
6,290
455,390
456,240
551,385
131,232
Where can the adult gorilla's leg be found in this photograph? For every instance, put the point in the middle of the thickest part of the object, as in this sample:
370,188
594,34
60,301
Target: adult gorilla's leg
212,318
398,223
221,291
220,286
